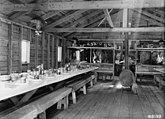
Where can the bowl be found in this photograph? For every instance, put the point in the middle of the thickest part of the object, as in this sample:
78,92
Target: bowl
5,77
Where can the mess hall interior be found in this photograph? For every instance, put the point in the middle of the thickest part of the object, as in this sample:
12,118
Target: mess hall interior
82,59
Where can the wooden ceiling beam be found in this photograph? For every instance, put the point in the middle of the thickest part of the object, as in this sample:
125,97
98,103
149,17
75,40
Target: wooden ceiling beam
115,36
118,4
92,30
50,5
108,18
66,18
104,40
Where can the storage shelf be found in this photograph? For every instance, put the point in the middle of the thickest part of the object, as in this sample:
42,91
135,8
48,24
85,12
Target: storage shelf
124,49
150,49
103,48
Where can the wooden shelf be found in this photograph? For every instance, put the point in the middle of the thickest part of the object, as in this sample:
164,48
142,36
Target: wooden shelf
149,49
102,48
124,49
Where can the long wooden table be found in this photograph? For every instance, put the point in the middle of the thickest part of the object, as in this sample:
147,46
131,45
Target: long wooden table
31,87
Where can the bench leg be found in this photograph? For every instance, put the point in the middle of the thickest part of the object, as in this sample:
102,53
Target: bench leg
64,101
96,77
160,86
154,80
84,89
59,104
42,115
91,82
74,97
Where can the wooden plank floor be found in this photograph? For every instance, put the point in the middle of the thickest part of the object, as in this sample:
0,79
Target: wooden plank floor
101,102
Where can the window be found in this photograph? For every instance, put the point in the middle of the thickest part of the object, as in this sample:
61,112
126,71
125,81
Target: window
25,51
59,54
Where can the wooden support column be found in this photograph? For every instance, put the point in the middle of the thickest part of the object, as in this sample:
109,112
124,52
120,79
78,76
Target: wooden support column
63,51
43,47
113,59
30,39
10,48
48,51
20,48
90,55
136,57
36,51
56,48
126,50
125,24
53,52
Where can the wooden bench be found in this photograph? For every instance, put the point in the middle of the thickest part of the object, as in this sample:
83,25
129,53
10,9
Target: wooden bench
26,112
81,84
105,73
145,73
39,106
160,80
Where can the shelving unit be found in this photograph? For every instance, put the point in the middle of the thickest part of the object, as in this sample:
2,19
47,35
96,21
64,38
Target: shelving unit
105,68
147,69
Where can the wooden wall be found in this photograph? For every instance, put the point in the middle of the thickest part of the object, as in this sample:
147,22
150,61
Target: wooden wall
4,39
42,48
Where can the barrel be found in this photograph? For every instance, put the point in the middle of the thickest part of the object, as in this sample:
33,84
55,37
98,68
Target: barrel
126,78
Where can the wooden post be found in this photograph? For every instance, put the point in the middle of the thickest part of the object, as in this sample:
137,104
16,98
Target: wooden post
125,24
63,51
43,47
10,48
53,52
90,55
48,51
113,59
126,51
30,39
136,58
56,47
36,51
20,47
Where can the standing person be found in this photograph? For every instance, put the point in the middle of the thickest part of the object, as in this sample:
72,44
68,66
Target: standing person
118,64
131,64
96,57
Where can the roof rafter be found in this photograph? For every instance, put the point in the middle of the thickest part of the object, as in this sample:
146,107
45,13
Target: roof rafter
91,24
146,18
151,16
64,19
50,14
83,20
21,13
88,23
